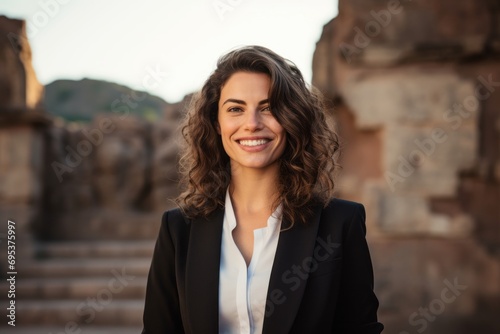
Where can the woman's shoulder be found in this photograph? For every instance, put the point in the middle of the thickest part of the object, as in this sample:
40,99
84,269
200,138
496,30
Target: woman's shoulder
174,219
344,212
174,214
339,205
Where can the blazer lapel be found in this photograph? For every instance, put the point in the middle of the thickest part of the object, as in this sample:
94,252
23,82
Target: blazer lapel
289,276
202,273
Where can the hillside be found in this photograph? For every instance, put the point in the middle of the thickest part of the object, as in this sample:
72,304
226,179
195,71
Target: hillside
83,99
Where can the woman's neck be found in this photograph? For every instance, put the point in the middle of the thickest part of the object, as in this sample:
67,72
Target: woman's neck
253,190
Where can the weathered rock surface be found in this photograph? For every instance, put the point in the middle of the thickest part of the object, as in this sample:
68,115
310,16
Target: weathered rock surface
86,201
19,87
415,91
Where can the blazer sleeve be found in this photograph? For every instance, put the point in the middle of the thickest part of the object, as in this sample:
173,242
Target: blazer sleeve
161,309
357,310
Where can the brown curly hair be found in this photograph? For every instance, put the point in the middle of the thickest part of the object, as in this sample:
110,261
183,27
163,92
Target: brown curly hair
308,163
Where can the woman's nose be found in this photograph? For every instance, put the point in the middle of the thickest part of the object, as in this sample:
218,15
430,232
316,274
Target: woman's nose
253,120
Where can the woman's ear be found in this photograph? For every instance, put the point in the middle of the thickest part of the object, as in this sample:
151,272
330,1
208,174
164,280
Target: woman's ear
217,127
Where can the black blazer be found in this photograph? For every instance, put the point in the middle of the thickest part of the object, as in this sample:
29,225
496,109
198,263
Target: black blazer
321,280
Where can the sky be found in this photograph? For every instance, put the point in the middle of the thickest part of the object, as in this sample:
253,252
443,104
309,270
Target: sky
165,47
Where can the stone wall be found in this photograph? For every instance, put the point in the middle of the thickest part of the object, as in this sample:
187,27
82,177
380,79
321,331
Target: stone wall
22,127
19,87
112,167
414,86
56,177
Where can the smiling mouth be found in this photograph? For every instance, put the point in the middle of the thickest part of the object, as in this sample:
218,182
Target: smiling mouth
254,142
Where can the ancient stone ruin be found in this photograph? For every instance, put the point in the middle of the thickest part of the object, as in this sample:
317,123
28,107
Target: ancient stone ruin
413,89
86,200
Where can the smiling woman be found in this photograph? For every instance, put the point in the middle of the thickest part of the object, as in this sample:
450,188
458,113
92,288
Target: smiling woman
251,136
258,243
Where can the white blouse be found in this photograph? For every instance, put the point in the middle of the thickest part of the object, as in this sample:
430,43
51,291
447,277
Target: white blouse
242,290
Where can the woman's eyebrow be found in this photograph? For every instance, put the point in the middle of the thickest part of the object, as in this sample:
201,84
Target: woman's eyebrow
235,101
243,102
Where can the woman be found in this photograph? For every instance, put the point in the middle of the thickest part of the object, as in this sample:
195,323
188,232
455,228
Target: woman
258,245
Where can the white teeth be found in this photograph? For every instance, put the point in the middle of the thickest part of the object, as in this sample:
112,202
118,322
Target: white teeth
253,142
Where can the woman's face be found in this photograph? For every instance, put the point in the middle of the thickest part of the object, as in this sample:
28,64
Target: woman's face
251,136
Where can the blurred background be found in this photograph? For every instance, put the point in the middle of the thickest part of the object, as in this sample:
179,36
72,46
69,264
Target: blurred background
91,94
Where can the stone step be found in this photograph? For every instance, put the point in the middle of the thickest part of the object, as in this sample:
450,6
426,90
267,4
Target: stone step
78,313
77,288
83,329
79,249
85,267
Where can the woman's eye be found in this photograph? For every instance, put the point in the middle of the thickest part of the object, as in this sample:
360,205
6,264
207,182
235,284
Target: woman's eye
234,109
266,108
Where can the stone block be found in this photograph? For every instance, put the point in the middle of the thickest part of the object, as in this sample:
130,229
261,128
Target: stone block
117,186
164,169
427,160
405,214
381,33
21,156
408,96
19,87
